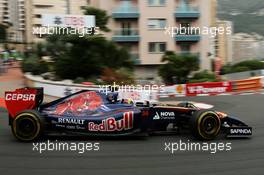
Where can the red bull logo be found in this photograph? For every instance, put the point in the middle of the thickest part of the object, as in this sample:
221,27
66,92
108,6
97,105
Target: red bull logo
111,124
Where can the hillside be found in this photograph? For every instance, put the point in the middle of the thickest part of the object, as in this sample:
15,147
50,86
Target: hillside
247,16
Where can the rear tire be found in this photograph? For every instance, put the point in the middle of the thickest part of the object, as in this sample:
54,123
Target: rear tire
205,125
27,126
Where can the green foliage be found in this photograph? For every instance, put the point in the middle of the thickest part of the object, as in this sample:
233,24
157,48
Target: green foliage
242,66
119,76
79,80
86,57
203,76
101,17
34,65
83,59
177,67
251,64
2,33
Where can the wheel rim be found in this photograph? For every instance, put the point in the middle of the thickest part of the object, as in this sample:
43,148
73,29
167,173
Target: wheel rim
209,125
26,127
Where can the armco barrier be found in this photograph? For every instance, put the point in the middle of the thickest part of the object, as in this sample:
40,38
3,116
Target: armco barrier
60,89
173,91
247,85
213,88
63,88
2,103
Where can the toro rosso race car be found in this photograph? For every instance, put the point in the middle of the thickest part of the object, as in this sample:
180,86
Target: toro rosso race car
92,113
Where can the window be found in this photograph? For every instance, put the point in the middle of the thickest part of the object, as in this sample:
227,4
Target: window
185,48
156,47
156,2
37,16
156,23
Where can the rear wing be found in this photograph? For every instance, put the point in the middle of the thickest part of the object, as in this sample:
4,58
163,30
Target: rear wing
23,99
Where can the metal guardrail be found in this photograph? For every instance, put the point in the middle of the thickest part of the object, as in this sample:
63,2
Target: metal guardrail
126,32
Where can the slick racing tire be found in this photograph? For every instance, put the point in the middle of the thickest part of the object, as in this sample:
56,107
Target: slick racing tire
27,126
205,125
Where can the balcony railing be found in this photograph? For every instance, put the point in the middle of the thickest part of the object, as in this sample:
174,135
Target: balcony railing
126,35
197,54
185,10
125,10
193,36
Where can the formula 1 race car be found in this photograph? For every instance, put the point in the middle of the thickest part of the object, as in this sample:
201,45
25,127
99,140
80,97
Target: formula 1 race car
93,113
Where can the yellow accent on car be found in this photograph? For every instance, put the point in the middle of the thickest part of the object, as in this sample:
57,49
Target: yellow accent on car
199,122
37,122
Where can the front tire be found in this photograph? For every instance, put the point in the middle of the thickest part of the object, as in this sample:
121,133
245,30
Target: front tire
205,125
27,126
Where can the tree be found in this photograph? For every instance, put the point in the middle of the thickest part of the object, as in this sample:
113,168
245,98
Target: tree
203,76
251,64
177,67
242,66
86,57
3,33
101,17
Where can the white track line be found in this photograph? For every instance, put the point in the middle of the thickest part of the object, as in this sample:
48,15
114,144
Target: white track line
248,93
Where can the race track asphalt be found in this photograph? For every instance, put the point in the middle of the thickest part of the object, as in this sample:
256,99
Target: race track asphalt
146,156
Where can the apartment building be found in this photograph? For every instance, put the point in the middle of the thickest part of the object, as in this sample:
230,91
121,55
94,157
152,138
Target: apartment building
224,45
4,12
247,47
13,16
139,26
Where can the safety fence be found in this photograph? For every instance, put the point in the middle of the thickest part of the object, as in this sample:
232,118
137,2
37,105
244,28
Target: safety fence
247,85
61,89
213,88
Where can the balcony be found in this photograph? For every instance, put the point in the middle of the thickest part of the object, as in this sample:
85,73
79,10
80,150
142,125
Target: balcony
187,37
126,35
135,58
188,53
126,10
186,11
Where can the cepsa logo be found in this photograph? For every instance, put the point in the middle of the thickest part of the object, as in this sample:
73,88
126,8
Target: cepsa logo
111,124
20,97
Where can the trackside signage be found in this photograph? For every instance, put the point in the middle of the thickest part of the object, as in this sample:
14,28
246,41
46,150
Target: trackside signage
210,88
174,90
60,20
